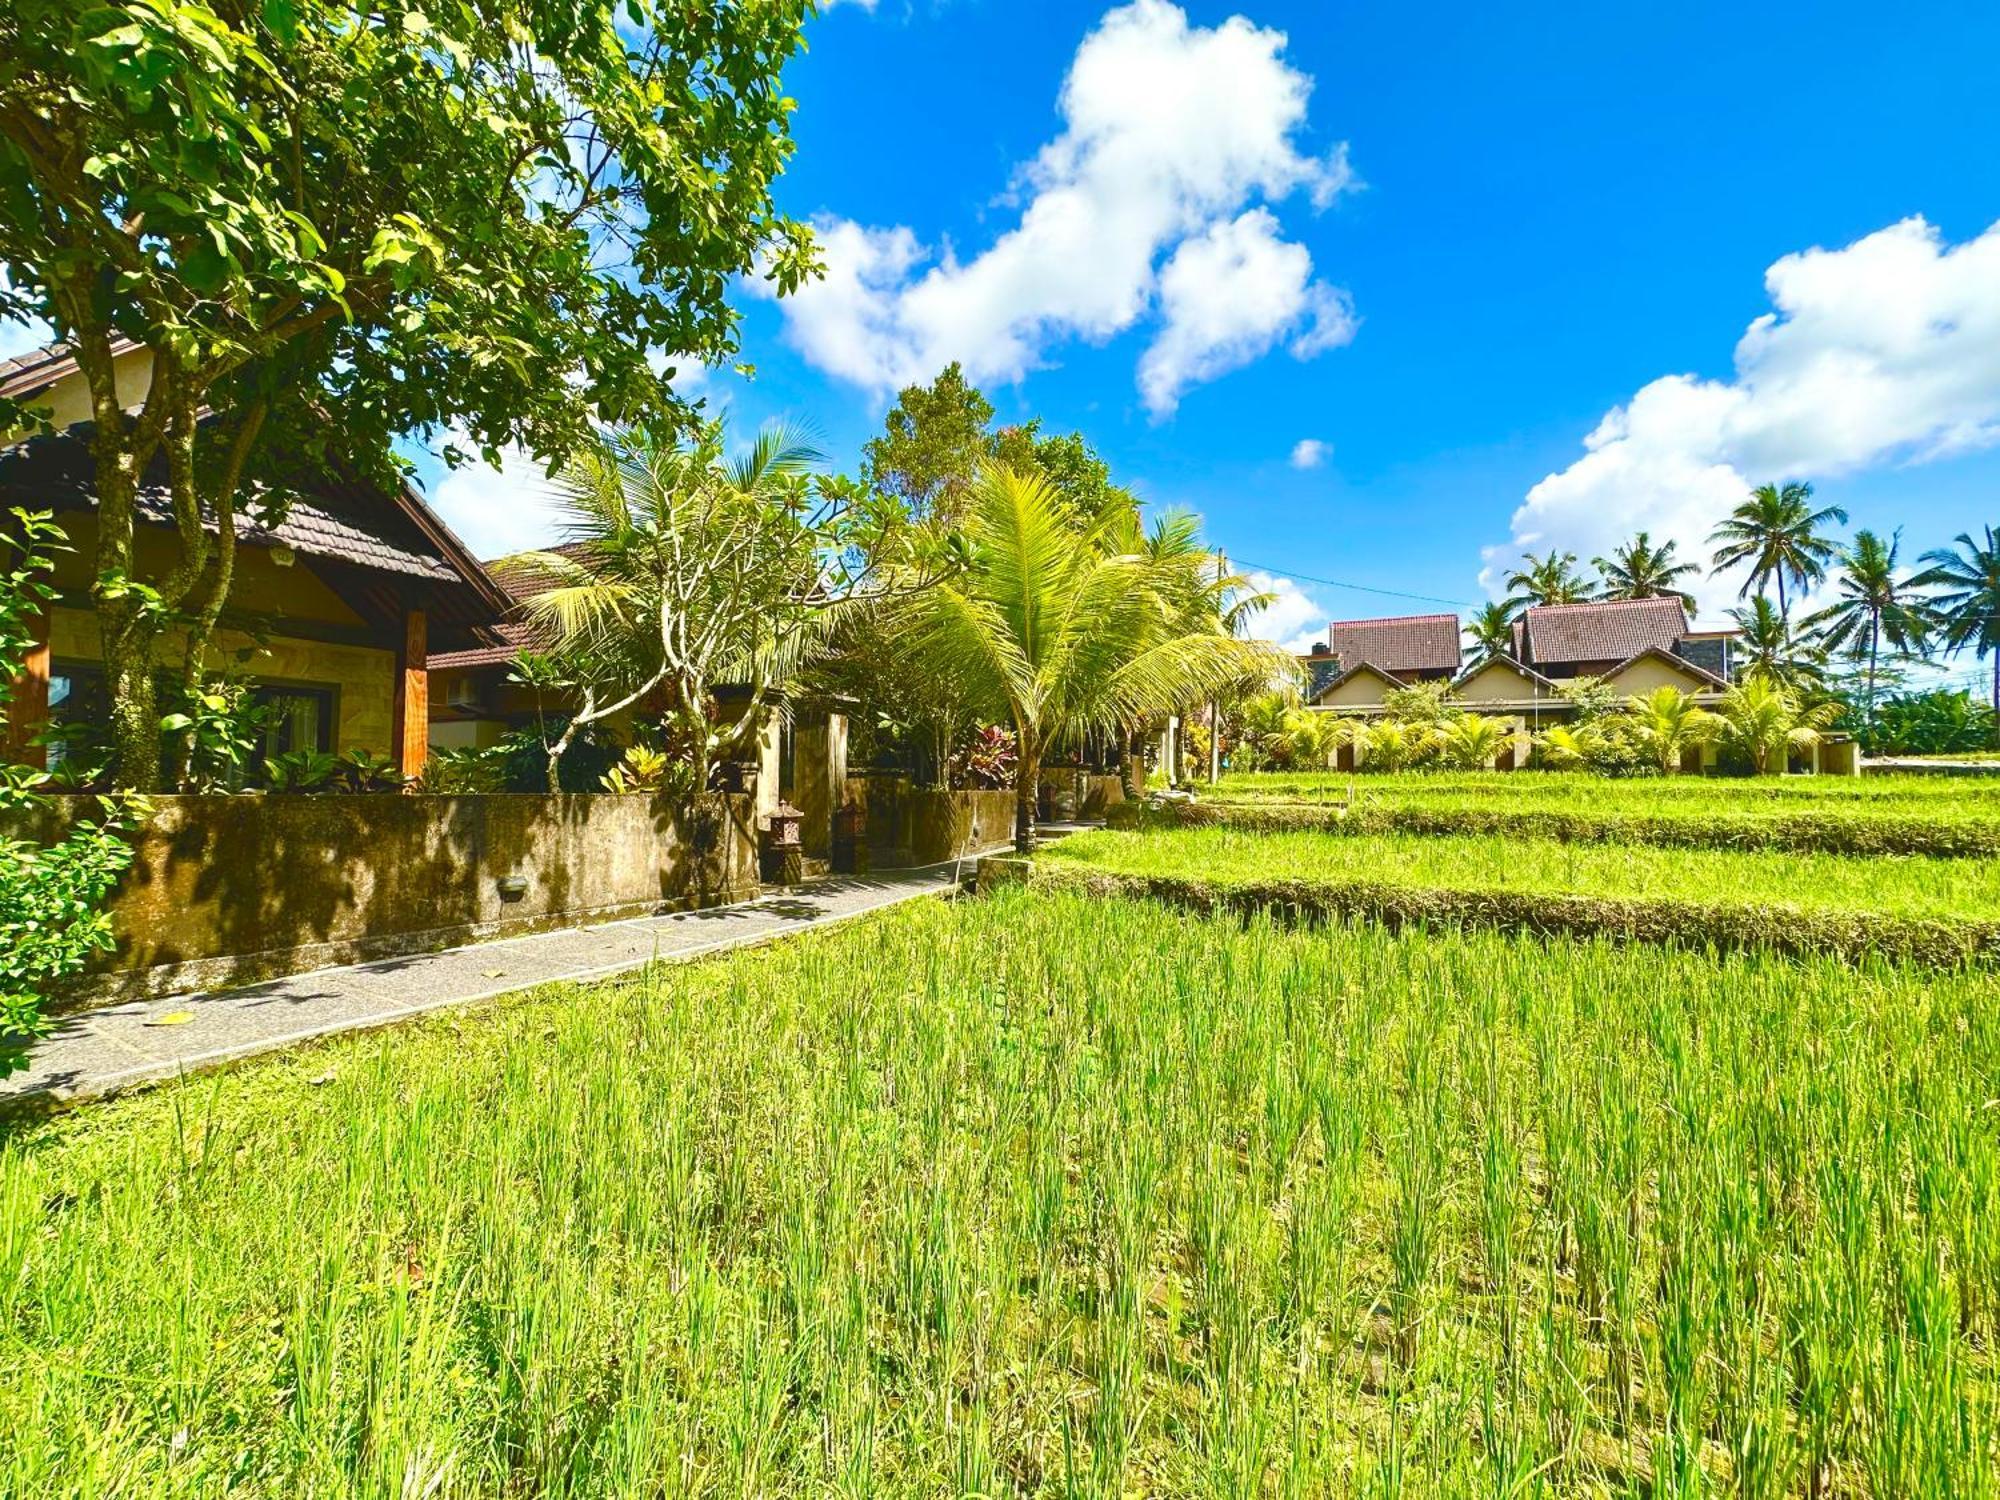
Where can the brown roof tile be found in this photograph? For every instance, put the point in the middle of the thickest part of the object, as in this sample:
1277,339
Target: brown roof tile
1402,643
1610,630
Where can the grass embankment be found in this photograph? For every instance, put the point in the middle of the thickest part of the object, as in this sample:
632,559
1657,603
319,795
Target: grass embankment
1874,815
1934,911
1034,1195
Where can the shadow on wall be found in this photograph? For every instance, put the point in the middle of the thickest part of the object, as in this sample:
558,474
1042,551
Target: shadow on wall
231,890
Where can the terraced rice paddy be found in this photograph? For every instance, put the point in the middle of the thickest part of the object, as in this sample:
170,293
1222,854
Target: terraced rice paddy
1041,1195
1903,887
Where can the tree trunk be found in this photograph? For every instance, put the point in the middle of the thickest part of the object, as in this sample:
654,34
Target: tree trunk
1027,788
1131,777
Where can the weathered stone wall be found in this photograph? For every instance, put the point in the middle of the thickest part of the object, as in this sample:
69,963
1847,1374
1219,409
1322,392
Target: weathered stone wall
907,827
231,890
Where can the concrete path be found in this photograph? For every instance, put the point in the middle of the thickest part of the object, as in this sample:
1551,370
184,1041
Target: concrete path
99,1052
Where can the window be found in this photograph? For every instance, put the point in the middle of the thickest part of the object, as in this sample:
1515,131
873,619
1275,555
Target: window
302,718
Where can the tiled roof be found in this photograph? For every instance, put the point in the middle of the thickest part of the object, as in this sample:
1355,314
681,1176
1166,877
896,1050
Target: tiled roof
38,369
1609,630
55,471
517,637
1403,643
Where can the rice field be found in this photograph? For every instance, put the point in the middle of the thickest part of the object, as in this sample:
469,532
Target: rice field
1035,1195
1907,886
1561,791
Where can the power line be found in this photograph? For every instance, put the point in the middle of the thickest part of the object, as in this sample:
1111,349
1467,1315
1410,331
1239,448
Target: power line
1360,588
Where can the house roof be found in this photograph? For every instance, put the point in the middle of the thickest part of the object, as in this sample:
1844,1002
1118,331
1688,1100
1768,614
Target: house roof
1359,669
1673,659
1507,663
1401,643
1605,630
515,637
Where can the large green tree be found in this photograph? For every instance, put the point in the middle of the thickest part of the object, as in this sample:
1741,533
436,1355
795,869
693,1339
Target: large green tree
934,439
1778,535
333,225
1061,631
1551,578
1640,570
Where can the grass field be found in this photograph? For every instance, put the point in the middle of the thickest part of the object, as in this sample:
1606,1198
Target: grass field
1934,796
1034,1195
1903,887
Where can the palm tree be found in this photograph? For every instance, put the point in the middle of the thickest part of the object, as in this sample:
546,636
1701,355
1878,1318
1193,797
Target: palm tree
1967,579
1395,744
1767,722
1639,570
1054,628
1765,645
1490,632
1667,723
1874,605
1549,579
1472,742
1778,533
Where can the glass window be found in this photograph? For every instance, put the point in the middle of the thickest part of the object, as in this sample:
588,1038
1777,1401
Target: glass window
302,719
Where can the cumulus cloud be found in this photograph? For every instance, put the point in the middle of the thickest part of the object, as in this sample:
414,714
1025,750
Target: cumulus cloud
1170,132
1310,453
1883,351
498,511
1293,619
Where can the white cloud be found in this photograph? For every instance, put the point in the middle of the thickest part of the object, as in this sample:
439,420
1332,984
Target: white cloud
1883,351
1294,619
23,337
1310,453
497,512
1170,131
1229,295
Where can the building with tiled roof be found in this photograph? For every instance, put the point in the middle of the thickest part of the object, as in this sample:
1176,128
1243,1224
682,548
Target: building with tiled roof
341,595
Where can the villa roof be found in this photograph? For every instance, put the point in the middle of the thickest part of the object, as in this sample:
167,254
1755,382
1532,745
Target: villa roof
1603,630
1673,659
1359,669
1400,643
1502,660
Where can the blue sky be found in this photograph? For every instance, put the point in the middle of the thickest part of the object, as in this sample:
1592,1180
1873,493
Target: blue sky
1539,221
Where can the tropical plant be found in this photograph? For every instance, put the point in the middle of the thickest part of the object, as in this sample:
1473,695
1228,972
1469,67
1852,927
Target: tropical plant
1398,744
1490,631
988,760
1421,703
1568,747
1640,570
1262,719
683,570
1549,579
1780,537
1312,738
360,771
1767,646
1966,580
1765,722
1062,635
643,770
1472,742
1666,724
1941,721
1590,699
214,734
1874,606
328,224
52,892
300,771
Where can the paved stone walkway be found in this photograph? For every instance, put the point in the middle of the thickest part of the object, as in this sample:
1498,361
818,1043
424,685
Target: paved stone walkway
99,1052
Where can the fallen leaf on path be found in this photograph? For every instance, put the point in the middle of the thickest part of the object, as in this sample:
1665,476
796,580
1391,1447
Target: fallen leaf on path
172,1018
493,973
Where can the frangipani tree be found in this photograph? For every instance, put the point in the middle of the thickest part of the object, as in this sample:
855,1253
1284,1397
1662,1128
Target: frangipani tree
683,571
1062,634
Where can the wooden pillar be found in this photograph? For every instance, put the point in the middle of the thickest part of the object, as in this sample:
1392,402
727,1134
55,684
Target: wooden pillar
28,708
412,716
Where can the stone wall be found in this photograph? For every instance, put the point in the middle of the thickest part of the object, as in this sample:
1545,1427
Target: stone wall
232,890
907,827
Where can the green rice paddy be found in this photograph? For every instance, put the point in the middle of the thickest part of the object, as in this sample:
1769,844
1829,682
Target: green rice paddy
1039,1195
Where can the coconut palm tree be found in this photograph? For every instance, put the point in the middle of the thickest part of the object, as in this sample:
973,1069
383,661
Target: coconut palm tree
1396,744
1667,723
1767,722
1767,646
1874,606
1639,570
1053,627
1967,601
1490,632
1779,534
1549,579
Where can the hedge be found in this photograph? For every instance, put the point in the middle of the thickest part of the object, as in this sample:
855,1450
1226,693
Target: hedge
1940,943
1797,833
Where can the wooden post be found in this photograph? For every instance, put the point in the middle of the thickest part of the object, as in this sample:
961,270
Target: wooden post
412,714
28,709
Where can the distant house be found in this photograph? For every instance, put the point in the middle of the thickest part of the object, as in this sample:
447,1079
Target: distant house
1632,645
349,595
